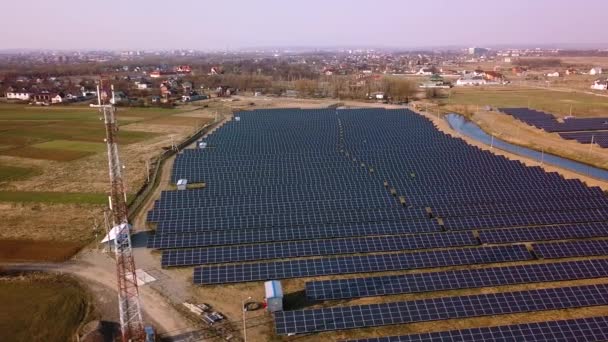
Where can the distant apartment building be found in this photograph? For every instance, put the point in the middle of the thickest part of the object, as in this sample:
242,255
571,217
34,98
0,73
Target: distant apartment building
477,51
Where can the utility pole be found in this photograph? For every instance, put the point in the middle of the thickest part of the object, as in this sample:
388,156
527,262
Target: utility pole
244,308
131,321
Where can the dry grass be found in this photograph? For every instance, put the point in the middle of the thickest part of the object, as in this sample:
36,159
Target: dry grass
41,308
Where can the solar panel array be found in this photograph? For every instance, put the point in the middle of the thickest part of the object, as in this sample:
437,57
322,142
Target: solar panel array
595,137
583,130
291,193
592,329
453,280
237,273
372,315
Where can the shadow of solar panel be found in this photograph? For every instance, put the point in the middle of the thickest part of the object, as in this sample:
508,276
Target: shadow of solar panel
361,316
593,329
296,249
555,250
453,280
357,264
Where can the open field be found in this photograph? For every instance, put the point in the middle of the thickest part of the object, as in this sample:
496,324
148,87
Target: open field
53,168
52,197
556,102
41,308
37,250
10,173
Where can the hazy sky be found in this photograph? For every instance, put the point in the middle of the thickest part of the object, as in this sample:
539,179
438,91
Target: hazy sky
232,24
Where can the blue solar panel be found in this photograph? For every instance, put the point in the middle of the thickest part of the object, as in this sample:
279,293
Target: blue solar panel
571,249
561,232
452,280
593,329
356,264
294,249
361,316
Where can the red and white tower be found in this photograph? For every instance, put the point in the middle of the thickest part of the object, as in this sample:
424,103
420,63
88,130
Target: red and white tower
131,321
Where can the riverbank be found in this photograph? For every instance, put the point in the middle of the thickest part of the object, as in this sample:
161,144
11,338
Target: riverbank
443,126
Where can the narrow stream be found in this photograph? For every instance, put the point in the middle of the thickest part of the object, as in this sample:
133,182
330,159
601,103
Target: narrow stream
460,124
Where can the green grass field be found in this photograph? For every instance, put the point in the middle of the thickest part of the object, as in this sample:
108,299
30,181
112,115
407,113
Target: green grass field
65,133
53,197
41,308
555,102
72,145
12,173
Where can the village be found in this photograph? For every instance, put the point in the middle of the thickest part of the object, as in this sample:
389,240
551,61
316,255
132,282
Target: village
353,74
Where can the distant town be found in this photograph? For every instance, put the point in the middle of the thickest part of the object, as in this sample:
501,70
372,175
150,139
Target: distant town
147,78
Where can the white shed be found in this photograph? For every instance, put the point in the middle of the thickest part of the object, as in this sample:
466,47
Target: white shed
182,184
274,296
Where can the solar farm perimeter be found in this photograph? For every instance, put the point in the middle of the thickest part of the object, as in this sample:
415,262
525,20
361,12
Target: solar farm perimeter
376,210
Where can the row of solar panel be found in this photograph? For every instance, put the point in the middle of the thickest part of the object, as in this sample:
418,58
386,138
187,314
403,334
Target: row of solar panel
361,316
194,223
592,329
495,236
295,249
172,213
387,262
237,273
455,280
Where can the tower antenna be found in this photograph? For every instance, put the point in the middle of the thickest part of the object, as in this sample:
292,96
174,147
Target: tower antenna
131,322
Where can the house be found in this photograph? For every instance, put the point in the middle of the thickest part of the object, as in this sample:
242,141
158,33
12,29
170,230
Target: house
215,71
479,72
57,99
18,95
183,69
187,87
155,74
595,71
70,97
88,92
519,71
119,97
43,97
193,96
436,81
571,71
493,76
426,71
553,74
471,81
143,85
600,84
226,91
377,96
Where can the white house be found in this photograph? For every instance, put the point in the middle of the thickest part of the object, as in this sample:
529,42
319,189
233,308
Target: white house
18,95
143,85
553,74
596,71
601,84
377,96
471,81
56,99
425,71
